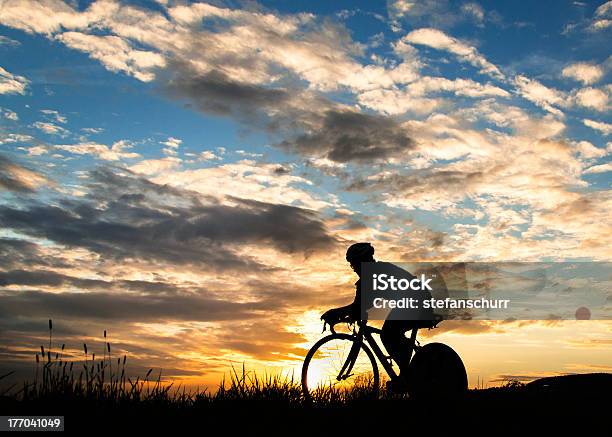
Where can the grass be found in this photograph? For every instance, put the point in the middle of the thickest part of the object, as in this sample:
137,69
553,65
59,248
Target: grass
104,380
99,382
94,389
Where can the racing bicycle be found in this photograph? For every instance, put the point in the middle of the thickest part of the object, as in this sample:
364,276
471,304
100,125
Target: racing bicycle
347,361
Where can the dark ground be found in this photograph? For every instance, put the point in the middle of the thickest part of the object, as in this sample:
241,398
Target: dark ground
579,402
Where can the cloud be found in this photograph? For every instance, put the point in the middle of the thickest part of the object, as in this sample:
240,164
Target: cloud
474,10
172,144
602,168
589,151
156,166
534,91
292,45
518,183
260,43
198,234
14,138
414,97
345,136
592,98
16,253
242,64
124,307
435,13
115,53
46,16
208,155
14,177
441,41
338,133
584,217
521,378
50,128
599,22
249,180
520,121
601,126
461,87
217,93
6,41
425,189
52,279
114,153
592,343
583,72
288,228
54,115
8,114
260,80
604,9
602,18
92,130
11,83
36,150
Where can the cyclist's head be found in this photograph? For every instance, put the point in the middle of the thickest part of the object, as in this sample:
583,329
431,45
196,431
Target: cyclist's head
358,253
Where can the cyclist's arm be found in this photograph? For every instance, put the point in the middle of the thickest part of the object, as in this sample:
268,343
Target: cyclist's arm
351,312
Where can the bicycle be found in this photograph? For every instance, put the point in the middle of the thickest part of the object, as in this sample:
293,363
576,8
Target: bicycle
348,361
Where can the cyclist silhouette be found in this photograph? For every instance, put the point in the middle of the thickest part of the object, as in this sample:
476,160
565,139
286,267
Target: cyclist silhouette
393,331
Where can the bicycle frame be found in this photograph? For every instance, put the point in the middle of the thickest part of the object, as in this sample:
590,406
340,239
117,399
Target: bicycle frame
364,333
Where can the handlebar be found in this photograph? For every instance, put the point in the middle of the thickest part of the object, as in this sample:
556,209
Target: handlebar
331,327
362,324
359,323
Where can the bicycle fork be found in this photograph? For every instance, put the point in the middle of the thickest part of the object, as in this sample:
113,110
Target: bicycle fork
351,359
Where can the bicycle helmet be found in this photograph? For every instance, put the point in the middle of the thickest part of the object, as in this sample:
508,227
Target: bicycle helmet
360,252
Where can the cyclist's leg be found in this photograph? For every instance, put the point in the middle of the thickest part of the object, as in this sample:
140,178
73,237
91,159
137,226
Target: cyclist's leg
397,344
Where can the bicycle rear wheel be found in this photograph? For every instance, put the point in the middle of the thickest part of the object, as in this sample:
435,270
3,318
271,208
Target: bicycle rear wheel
436,371
325,366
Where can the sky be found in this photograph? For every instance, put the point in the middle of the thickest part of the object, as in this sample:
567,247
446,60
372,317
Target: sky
188,176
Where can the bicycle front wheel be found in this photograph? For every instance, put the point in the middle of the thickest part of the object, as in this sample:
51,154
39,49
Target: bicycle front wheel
325,366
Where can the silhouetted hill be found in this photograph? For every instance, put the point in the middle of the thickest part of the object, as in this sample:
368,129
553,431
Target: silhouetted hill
581,384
